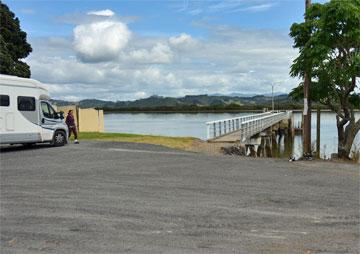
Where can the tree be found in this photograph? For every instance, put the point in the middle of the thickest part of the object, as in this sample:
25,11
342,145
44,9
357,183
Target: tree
329,46
13,45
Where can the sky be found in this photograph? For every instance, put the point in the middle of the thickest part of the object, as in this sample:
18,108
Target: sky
127,50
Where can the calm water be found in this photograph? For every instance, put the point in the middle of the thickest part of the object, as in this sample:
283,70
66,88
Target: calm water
185,125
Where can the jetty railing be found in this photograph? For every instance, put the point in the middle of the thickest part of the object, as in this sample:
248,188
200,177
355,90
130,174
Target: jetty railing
255,126
223,127
247,125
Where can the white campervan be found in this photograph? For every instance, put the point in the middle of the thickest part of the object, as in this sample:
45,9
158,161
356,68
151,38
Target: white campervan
26,115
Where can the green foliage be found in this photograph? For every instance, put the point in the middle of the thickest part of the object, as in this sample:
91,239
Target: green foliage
329,47
329,52
13,45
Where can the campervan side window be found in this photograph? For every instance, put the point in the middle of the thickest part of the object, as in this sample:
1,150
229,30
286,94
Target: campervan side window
4,100
47,110
26,103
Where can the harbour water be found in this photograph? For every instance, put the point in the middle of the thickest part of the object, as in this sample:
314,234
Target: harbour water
193,125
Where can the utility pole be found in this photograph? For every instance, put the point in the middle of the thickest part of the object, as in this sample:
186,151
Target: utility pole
307,105
272,95
318,132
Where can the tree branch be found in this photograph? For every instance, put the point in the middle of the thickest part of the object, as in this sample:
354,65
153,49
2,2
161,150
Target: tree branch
333,108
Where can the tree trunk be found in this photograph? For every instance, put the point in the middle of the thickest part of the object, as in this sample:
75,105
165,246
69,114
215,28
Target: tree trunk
342,152
346,136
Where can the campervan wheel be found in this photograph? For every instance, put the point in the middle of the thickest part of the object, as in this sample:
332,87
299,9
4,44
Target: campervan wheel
59,138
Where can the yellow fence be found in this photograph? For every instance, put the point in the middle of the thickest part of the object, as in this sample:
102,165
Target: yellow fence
87,120
91,120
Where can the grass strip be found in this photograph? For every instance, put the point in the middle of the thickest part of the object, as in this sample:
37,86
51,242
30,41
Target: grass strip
184,143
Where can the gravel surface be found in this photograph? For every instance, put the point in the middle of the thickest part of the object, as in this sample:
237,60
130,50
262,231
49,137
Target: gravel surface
106,197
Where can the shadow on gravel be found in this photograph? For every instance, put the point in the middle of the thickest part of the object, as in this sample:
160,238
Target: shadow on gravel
20,147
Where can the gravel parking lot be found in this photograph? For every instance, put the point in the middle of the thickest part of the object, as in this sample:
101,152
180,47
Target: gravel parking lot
106,197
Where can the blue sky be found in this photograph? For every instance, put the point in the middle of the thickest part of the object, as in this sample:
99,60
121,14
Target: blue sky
43,18
120,50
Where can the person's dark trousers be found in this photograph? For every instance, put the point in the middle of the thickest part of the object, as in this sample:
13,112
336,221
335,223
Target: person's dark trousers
73,129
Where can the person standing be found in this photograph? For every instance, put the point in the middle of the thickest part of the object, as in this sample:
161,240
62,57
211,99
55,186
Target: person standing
70,122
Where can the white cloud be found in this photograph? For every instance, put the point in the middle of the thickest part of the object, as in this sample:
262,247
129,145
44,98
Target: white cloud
160,54
140,95
210,80
227,6
106,13
257,8
78,18
101,62
57,88
154,76
65,70
72,98
183,41
195,12
100,41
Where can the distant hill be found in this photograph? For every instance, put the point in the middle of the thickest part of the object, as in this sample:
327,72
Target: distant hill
188,101
246,94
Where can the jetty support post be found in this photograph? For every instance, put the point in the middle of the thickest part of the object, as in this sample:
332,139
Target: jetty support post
261,148
291,128
252,150
274,132
318,118
267,137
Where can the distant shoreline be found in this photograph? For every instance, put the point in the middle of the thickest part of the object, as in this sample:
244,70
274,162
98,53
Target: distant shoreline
180,111
205,111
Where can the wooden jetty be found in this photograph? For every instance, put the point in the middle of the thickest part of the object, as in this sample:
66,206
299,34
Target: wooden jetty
242,129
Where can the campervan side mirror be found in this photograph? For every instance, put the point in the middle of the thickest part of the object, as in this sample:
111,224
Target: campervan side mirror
61,114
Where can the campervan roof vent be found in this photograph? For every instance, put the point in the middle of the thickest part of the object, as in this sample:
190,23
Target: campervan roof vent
44,97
